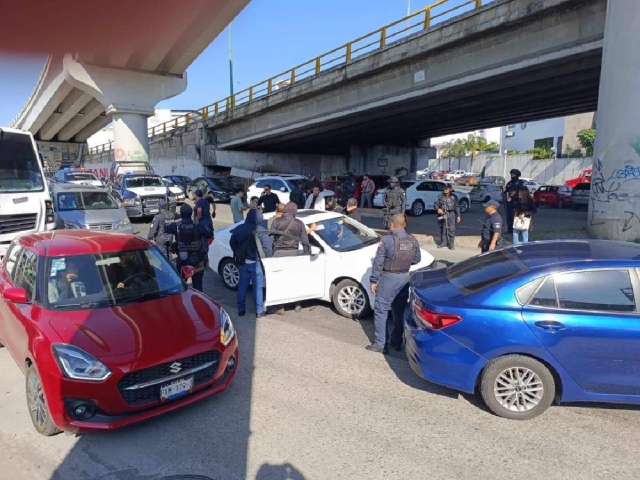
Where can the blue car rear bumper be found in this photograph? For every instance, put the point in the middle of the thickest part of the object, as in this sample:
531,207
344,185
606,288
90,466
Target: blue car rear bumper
438,358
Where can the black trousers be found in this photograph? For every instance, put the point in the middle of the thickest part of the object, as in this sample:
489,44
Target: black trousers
448,229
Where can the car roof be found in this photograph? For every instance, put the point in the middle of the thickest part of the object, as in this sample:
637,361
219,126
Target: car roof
81,242
310,216
553,252
74,187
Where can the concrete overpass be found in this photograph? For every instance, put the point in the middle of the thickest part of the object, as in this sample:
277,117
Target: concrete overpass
122,77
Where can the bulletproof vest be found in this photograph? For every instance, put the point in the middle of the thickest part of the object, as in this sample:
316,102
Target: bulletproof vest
403,253
161,236
449,203
394,198
188,240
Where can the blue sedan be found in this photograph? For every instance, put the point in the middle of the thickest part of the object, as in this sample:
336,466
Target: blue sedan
527,325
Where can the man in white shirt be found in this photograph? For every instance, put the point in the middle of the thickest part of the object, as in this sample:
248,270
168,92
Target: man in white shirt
367,187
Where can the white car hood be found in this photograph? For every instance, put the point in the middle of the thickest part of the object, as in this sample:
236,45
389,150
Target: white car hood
145,191
93,183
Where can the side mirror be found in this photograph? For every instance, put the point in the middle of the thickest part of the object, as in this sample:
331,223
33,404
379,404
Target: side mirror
187,272
282,189
15,295
315,250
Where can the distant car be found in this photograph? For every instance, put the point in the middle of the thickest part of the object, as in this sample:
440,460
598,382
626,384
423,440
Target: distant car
141,194
220,191
337,270
468,179
82,206
439,175
422,196
554,196
580,196
531,185
176,190
455,174
77,176
106,331
494,179
483,192
181,181
280,185
524,326
584,177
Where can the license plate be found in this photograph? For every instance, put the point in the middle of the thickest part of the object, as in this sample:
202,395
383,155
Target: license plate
543,200
153,210
176,389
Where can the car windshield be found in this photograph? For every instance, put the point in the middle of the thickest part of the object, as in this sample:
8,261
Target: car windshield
19,165
146,181
224,181
345,235
75,176
479,187
109,279
477,273
169,183
85,201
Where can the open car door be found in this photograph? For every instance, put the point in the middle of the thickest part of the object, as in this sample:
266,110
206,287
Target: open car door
291,279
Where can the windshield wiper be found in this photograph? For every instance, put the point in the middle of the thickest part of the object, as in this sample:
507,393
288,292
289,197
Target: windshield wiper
146,296
94,304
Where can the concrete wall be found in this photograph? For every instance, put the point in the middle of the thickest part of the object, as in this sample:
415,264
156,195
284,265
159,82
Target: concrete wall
553,172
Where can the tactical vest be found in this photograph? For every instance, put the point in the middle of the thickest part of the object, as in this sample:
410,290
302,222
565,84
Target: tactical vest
394,198
404,249
189,243
161,237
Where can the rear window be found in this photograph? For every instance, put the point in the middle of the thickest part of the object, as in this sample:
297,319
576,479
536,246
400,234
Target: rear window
478,273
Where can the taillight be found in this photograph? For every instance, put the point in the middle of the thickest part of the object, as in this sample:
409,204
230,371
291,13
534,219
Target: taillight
434,320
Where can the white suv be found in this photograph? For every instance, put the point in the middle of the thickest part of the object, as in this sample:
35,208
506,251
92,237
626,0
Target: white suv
281,185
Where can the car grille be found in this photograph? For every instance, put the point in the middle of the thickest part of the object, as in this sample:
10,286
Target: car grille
100,226
18,223
151,201
156,374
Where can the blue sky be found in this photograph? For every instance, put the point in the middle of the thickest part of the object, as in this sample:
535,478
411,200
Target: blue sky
269,36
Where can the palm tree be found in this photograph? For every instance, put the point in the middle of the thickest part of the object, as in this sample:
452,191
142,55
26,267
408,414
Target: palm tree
474,144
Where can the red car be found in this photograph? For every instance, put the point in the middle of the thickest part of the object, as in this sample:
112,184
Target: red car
106,331
585,177
555,196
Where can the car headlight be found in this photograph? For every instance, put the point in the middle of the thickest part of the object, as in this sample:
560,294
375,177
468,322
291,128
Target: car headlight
227,332
79,365
125,221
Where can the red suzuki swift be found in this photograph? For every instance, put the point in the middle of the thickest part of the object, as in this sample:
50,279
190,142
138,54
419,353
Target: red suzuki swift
107,332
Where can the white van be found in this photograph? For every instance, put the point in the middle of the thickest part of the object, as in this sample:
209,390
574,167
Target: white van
25,201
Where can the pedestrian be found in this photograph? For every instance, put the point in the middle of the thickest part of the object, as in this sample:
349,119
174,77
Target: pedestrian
491,227
389,279
523,215
268,200
278,214
238,206
156,233
331,205
511,191
368,187
244,245
313,182
449,214
190,244
297,195
352,210
203,215
395,200
315,201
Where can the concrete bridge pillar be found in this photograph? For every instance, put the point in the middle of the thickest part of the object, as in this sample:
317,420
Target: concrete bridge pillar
614,208
130,135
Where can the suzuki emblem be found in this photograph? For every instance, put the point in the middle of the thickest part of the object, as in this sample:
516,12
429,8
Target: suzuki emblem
175,367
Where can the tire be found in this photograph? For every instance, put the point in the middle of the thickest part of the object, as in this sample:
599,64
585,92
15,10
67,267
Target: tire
560,204
417,208
229,274
37,404
351,300
464,205
527,368
254,202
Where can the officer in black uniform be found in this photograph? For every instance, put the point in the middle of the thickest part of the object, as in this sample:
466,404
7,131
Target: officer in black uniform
448,215
397,251
491,227
511,196
156,233
395,199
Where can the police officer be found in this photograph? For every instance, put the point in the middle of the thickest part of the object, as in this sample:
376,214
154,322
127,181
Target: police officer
189,244
449,214
395,199
511,196
390,282
157,233
491,227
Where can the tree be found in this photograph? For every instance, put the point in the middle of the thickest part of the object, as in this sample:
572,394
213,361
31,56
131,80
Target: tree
492,147
587,139
474,144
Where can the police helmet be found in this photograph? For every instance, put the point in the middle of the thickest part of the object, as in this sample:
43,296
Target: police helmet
516,172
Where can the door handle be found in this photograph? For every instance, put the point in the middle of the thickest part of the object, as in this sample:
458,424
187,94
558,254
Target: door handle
550,325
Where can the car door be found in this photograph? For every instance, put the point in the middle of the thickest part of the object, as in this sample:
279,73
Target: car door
588,321
6,281
291,279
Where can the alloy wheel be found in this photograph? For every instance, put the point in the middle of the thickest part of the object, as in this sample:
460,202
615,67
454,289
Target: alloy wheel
37,403
231,274
518,389
352,300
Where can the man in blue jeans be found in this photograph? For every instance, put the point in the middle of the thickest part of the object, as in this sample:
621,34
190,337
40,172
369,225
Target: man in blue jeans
245,254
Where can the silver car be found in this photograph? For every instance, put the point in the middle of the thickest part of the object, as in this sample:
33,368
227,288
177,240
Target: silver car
483,192
83,206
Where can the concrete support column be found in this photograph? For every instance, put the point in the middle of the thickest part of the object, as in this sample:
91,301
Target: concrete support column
614,208
130,135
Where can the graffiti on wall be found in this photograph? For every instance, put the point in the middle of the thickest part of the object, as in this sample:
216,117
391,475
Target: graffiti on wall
622,187
122,155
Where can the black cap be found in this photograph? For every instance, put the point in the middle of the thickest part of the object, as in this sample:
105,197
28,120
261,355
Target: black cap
491,203
447,185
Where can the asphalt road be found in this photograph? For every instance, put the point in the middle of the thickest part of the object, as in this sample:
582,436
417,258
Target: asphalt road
309,402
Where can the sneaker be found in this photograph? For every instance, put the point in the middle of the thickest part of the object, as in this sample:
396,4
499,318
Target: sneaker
374,348
441,245
261,315
452,247
241,313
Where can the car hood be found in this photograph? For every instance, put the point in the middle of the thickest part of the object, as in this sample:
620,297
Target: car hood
93,183
144,191
159,327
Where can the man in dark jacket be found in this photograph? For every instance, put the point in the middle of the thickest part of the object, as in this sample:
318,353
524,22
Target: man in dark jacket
293,233
448,215
156,233
352,210
189,244
297,195
245,253
313,182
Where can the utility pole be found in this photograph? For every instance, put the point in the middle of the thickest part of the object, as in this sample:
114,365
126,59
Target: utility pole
230,64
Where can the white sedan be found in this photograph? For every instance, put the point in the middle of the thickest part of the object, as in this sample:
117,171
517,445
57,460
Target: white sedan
175,190
337,270
532,185
422,196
